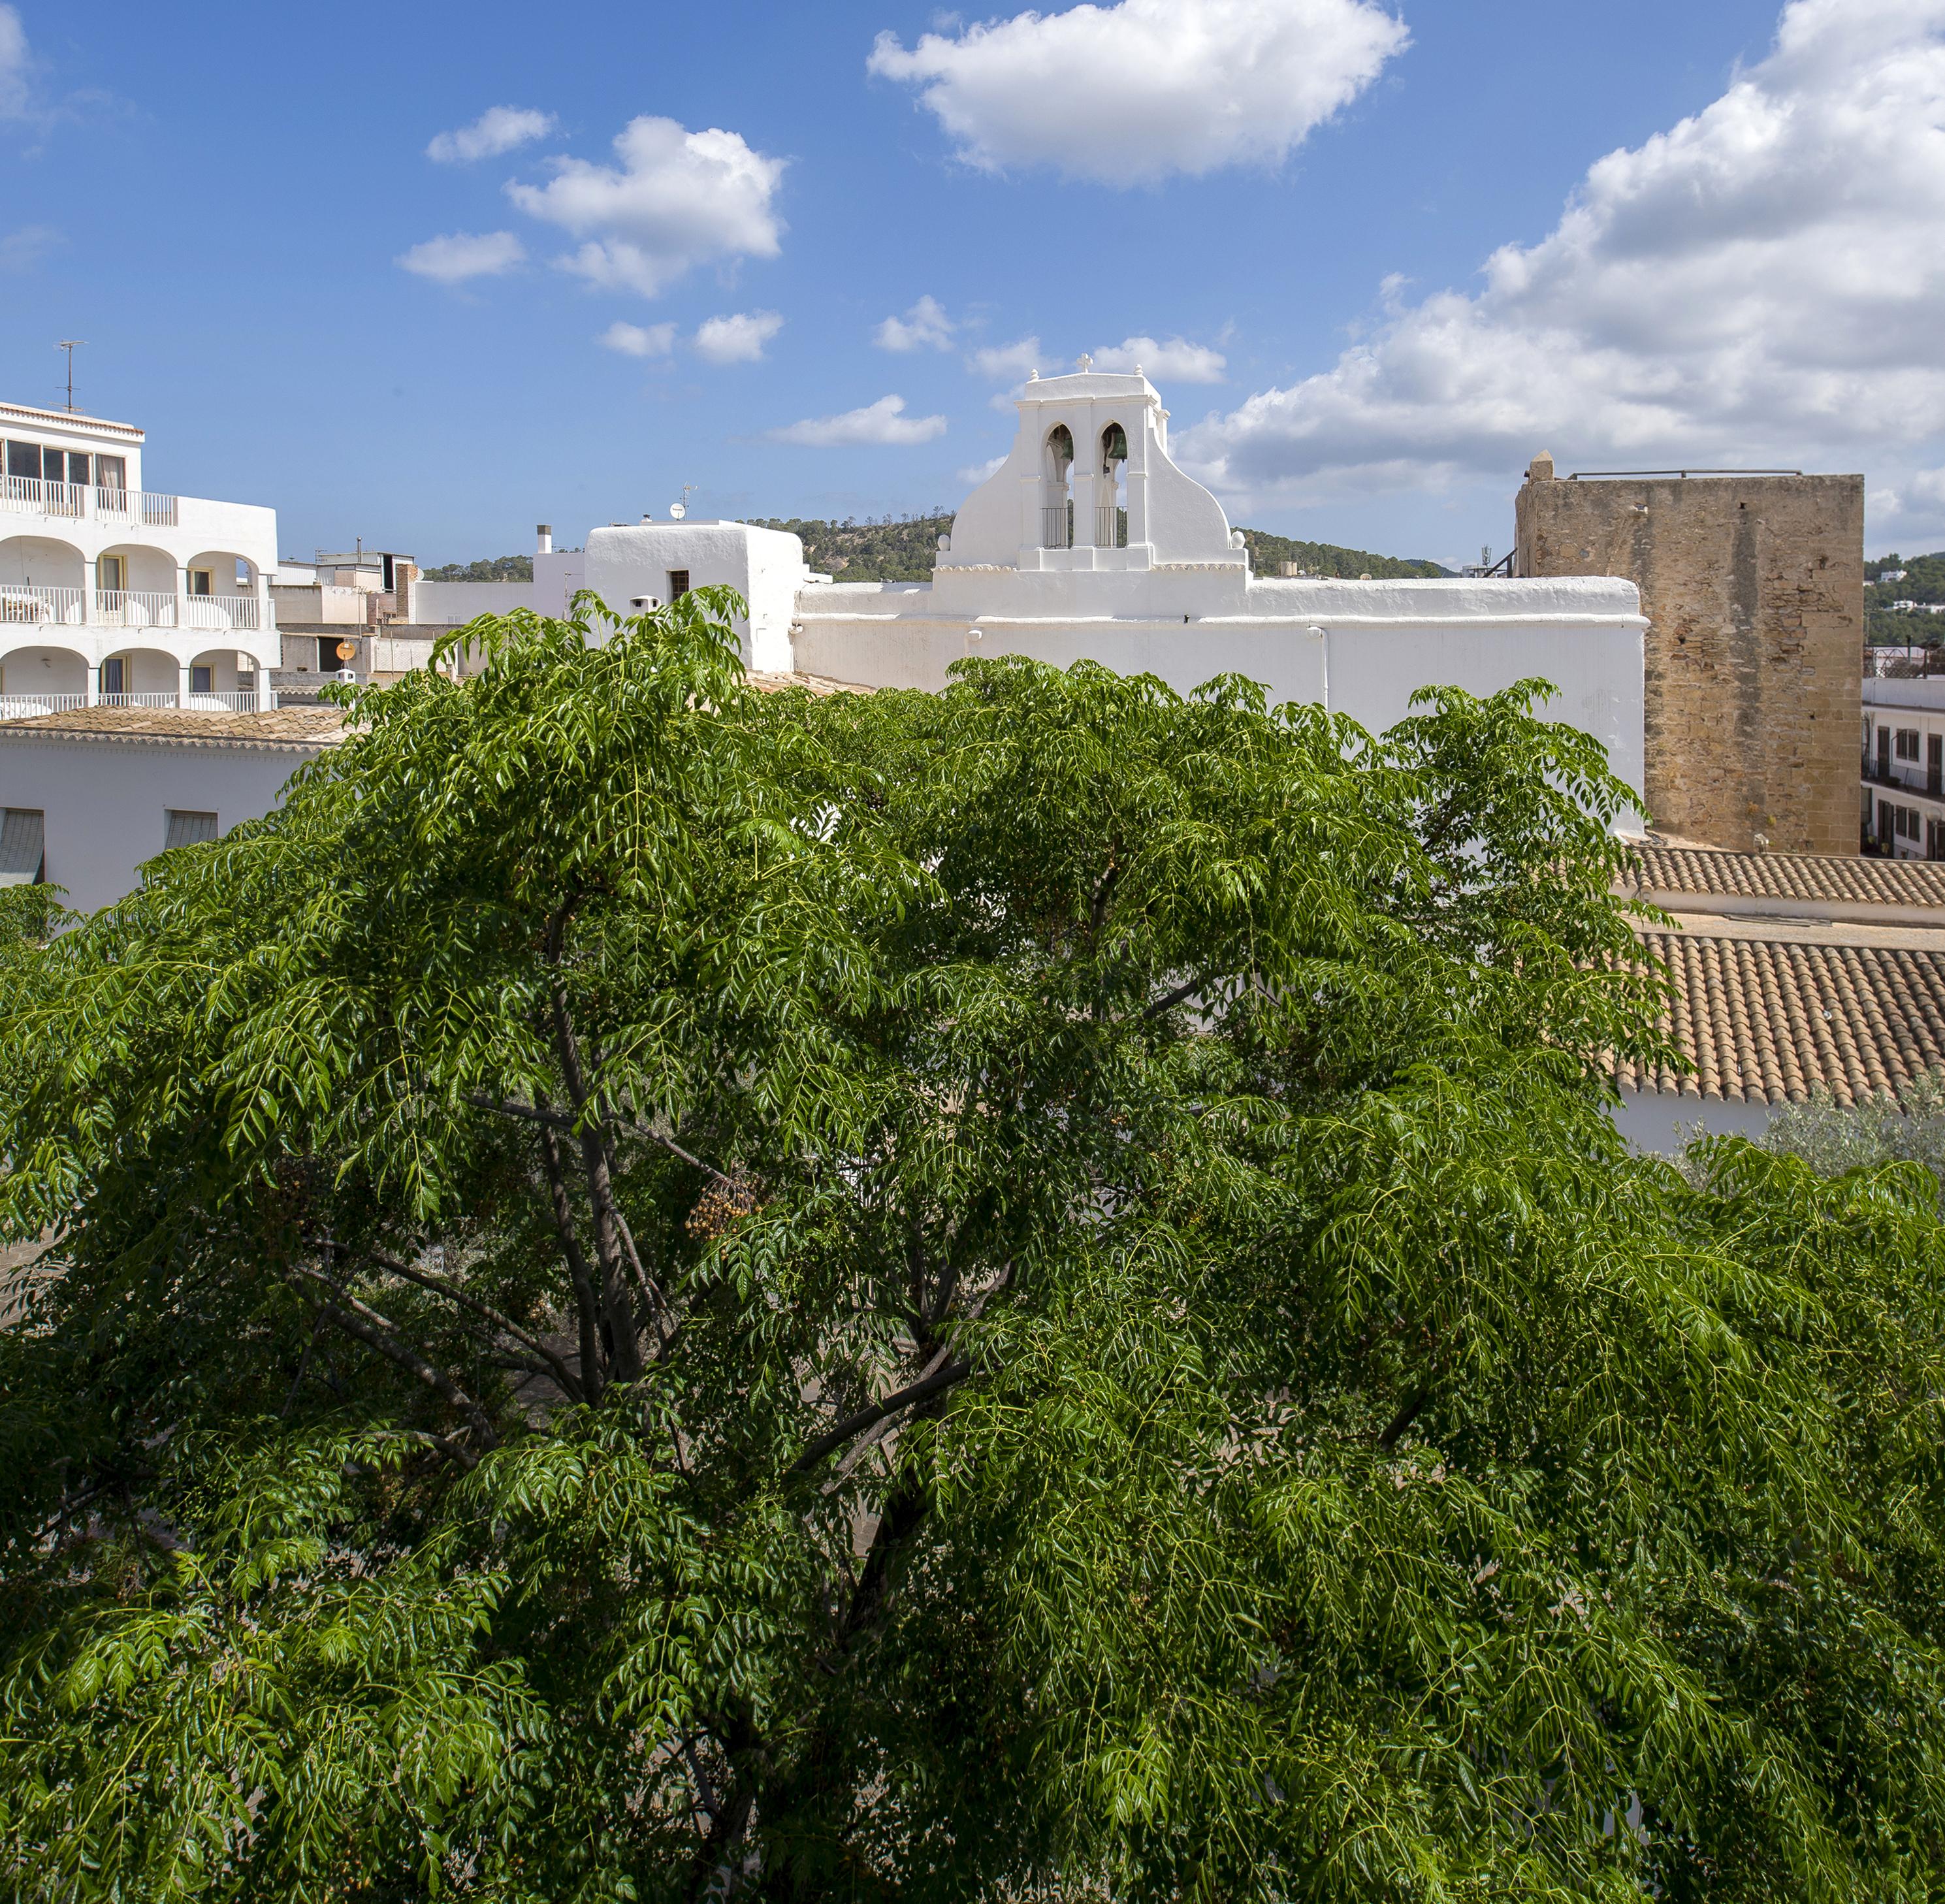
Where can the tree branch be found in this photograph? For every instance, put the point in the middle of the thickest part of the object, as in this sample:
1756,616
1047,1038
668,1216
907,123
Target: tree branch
592,1375
378,1333
485,1310
943,1375
531,1113
1170,1000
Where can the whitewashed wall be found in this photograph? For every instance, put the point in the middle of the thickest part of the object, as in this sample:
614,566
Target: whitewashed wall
106,800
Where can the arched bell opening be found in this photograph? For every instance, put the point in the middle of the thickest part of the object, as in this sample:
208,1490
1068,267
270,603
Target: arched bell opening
1110,496
1057,498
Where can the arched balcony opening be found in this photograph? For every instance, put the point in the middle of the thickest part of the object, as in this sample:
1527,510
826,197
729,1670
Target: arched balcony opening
43,583
40,679
1110,496
135,587
141,677
1057,489
220,592
223,680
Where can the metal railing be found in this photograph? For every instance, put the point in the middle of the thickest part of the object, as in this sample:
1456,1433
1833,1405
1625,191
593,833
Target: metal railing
24,706
31,496
27,603
1111,526
1057,526
127,608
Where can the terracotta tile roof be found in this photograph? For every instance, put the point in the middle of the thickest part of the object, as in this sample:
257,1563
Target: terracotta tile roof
818,684
1769,1020
1806,876
281,727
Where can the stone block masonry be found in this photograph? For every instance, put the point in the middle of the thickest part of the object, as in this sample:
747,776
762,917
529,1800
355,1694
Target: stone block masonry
1753,589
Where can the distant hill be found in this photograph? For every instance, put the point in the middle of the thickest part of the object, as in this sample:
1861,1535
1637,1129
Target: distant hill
902,550
1268,553
1923,581
493,568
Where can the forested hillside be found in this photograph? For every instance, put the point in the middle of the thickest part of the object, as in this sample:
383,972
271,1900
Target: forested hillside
1922,581
488,568
902,550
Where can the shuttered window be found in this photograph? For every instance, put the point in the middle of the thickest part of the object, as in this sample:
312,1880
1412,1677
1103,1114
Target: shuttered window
23,846
188,829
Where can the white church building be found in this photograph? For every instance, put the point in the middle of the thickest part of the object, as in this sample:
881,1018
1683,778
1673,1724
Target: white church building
1090,542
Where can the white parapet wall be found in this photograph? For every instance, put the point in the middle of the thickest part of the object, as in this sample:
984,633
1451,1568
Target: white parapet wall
633,567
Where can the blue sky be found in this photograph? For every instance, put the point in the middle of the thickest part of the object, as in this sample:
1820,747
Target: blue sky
1724,252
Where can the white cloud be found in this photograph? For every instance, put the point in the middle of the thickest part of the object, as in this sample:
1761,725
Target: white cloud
1010,362
881,422
738,339
1763,283
461,255
925,326
498,129
21,250
1128,94
639,340
16,63
979,472
677,199
1177,361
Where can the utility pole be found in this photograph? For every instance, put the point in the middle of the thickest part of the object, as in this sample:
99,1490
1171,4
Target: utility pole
70,345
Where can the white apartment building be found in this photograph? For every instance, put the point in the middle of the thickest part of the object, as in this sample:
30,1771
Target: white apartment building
114,595
1904,766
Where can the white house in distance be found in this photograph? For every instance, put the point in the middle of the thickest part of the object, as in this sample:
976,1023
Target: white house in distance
1090,542
111,594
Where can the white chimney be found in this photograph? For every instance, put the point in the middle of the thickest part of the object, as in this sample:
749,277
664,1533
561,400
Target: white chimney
545,546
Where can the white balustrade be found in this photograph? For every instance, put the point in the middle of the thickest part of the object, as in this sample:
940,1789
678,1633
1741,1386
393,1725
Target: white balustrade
134,608
221,611
25,707
30,496
154,697
28,603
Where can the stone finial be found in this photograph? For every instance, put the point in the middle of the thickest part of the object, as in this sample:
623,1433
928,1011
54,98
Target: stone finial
1033,377
1084,362
1540,469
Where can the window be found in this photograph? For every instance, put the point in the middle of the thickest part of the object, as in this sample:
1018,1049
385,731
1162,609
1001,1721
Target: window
114,675
199,580
1907,822
24,460
243,576
187,829
111,572
1907,744
201,678
110,473
23,846
389,574
678,579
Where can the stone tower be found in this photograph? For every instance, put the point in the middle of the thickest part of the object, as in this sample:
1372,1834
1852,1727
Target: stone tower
1753,589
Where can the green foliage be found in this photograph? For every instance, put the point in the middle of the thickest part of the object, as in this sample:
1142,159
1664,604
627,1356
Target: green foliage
1833,1137
1268,553
668,1293
490,569
903,550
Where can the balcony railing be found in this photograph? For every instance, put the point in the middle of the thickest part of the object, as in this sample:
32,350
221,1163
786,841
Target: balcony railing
1111,526
29,496
1056,526
25,707
24,603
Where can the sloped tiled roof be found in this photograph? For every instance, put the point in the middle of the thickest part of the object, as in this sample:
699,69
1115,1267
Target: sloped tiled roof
1771,1020
279,727
1815,877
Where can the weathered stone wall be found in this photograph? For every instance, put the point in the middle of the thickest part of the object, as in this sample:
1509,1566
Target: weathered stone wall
1754,590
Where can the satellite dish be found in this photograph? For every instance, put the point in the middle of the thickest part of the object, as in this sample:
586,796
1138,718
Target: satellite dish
677,511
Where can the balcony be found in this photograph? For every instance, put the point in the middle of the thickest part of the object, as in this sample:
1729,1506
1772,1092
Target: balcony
26,706
77,501
23,605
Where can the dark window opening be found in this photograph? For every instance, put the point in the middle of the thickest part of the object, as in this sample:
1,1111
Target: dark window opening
199,581
114,675
391,578
1907,744
678,579
201,678
23,848
188,829
24,460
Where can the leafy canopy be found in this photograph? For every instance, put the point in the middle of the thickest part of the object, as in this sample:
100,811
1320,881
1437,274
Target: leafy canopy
664,1292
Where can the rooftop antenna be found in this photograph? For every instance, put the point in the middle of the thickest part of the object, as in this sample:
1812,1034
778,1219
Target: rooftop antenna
679,509
70,345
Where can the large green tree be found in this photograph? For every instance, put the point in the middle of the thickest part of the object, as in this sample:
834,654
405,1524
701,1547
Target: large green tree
660,1292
